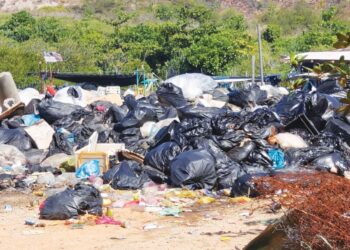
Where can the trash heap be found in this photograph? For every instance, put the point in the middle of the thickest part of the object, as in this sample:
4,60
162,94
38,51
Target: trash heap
188,134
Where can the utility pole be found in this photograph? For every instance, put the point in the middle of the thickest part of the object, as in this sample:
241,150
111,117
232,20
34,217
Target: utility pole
253,69
260,56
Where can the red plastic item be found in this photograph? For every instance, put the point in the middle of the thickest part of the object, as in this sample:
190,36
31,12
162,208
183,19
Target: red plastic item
108,221
51,90
131,204
101,108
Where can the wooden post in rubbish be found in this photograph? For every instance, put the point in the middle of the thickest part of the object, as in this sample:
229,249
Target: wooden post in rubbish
260,56
253,69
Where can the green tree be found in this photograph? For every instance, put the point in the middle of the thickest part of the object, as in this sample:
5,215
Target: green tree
49,29
20,26
272,33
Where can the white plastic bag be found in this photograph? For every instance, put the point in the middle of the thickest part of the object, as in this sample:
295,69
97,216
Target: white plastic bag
12,157
193,85
63,96
28,94
288,140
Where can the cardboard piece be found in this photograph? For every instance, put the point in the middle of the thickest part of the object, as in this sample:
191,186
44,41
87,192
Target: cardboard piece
41,133
108,148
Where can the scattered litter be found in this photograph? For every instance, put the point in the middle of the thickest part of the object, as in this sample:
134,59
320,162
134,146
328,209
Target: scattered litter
170,211
150,226
8,208
108,221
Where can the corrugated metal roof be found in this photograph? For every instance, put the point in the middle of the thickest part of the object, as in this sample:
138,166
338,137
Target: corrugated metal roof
325,55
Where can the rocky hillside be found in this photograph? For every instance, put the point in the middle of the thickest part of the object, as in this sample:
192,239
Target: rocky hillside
247,7
17,5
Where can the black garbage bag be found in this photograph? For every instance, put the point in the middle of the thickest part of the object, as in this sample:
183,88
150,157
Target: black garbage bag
169,112
161,156
339,128
227,170
255,132
329,87
220,94
170,133
116,114
316,108
130,132
194,169
52,111
195,127
31,107
70,203
326,139
37,168
61,144
130,102
261,158
230,140
334,163
240,153
105,104
197,111
222,124
254,168
296,157
35,156
290,106
137,117
247,97
261,117
12,123
320,108
126,175
244,185
15,137
171,95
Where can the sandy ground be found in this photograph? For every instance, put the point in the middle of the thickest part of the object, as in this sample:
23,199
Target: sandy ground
213,226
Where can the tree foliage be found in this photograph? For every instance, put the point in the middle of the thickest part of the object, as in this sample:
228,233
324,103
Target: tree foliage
167,37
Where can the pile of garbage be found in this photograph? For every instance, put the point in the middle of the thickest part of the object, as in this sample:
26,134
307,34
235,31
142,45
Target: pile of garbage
189,133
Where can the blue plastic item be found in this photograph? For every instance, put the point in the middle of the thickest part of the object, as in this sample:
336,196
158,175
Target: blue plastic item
31,119
87,169
277,157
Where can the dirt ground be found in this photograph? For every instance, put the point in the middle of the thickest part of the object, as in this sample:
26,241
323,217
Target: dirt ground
212,226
